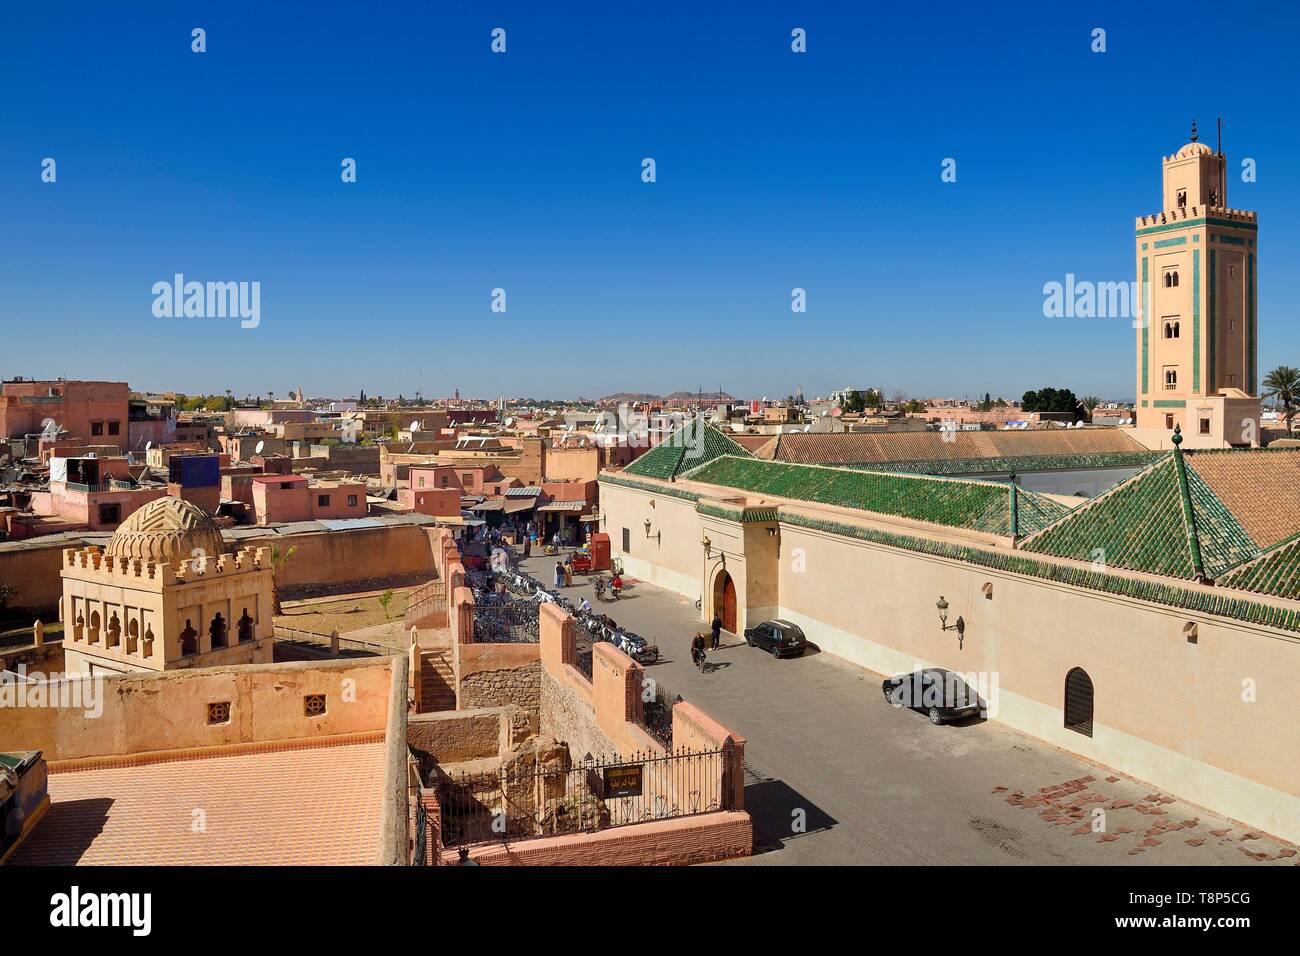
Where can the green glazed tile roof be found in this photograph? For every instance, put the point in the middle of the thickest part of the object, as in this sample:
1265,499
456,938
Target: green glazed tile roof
1142,525
692,445
1275,572
975,505
1020,464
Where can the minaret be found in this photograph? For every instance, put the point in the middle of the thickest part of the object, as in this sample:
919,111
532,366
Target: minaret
1196,341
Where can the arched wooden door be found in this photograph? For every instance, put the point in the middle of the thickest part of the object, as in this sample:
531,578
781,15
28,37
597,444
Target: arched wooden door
1078,701
728,603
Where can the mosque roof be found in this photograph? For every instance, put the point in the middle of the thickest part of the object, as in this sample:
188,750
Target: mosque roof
694,444
984,506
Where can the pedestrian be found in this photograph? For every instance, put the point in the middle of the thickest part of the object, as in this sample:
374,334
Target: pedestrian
568,573
528,547
559,574
717,632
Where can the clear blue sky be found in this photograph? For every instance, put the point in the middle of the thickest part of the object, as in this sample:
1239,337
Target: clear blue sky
522,171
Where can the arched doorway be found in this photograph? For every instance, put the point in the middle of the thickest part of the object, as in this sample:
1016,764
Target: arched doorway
724,601
1078,702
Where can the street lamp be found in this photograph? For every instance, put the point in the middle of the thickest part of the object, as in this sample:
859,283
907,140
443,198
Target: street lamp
959,626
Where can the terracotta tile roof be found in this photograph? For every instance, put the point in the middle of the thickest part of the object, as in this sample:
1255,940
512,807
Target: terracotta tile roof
976,505
755,443
1258,486
868,449
301,807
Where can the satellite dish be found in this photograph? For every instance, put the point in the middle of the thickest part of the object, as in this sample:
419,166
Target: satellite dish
258,450
148,445
413,427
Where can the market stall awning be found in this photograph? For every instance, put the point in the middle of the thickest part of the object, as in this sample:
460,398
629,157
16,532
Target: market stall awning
571,507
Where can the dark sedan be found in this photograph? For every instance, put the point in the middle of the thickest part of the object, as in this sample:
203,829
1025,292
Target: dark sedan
782,638
941,694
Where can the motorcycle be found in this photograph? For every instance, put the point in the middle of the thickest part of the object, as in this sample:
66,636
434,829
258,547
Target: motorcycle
636,647
600,589
698,658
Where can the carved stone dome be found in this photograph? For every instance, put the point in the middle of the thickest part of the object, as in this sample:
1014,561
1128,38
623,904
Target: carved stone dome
166,529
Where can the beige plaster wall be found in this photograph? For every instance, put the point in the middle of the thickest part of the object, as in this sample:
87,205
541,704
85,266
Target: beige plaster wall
1211,721
147,712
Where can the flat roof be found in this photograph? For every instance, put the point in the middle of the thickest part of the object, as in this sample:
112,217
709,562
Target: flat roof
315,806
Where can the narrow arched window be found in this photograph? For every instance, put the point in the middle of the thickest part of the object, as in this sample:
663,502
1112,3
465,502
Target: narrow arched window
1078,702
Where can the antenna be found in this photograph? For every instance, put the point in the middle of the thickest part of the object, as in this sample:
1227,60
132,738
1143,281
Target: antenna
1223,169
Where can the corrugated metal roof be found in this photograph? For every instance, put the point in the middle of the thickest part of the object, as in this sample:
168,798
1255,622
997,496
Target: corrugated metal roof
414,518
348,524
530,492
241,534
298,527
563,506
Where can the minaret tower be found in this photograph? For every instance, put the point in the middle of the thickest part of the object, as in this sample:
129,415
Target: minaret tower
1196,338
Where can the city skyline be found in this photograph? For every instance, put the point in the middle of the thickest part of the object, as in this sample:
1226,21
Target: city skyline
477,171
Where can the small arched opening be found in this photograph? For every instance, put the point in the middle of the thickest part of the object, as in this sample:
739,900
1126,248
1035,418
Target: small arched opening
1078,702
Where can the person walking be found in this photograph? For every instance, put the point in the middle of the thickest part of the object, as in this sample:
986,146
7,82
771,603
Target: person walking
559,574
716,627
568,573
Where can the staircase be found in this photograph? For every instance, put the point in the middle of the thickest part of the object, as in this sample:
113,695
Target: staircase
437,681
427,606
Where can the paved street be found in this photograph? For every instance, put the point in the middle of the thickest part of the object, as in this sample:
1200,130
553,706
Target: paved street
880,785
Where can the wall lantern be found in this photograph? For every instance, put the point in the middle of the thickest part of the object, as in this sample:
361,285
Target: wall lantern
657,535
959,626
708,545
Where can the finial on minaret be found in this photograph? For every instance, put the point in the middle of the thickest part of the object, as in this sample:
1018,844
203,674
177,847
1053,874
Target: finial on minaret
1178,435
1193,130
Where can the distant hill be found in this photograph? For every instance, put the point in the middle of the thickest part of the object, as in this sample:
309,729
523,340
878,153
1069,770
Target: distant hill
677,396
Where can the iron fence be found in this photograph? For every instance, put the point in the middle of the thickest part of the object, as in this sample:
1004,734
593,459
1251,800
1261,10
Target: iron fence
657,713
525,802
505,611
506,622
421,830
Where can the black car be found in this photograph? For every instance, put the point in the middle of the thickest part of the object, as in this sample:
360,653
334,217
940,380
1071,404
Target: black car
941,694
782,638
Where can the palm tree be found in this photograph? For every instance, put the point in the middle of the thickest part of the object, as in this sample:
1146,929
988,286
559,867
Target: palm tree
278,559
1283,384
1090,403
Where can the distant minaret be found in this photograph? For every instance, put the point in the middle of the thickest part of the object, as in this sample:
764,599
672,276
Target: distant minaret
1196,346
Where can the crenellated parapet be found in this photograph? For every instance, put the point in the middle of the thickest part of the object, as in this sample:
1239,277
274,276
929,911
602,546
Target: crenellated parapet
1190,213
93,564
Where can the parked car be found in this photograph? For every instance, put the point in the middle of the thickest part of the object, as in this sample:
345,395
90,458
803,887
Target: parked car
941,694
782,638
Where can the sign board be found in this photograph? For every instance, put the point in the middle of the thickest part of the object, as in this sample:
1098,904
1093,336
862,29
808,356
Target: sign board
623,781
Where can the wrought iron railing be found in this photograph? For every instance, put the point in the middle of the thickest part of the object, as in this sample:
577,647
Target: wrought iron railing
522,803
505,609
657,712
